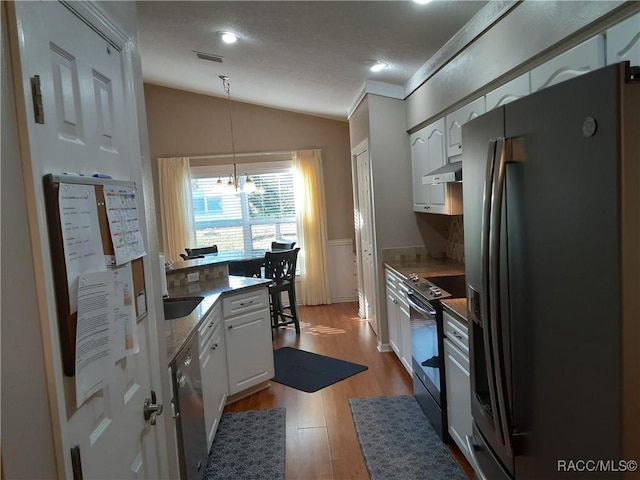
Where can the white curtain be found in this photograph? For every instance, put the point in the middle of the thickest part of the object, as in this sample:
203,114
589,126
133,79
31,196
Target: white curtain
176,206
314,281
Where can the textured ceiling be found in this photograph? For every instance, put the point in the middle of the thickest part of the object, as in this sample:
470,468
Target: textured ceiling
303,56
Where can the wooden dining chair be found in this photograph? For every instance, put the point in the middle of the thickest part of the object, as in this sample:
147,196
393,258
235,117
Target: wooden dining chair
279,245
280,267
201,251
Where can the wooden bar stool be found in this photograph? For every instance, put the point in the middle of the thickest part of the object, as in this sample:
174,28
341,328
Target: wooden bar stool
280,267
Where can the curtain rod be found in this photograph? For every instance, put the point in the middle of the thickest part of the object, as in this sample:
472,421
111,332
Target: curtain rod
230,155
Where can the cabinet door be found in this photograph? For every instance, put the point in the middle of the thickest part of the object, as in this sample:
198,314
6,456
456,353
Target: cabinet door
393,326
456,119
623,41
249,350
210,371
510,91
458,395
405,336
427,154
219,385
584,58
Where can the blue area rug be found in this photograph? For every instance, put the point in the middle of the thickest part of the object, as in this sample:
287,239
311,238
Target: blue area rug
398,442
248,445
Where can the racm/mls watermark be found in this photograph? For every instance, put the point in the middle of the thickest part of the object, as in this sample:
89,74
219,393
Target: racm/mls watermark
595,466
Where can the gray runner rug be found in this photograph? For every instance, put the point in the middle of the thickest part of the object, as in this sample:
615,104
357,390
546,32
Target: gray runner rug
398,442
248,445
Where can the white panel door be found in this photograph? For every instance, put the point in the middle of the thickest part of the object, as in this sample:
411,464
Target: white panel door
623,41
456,119
586,57
365,224
88,127
510,91
427,154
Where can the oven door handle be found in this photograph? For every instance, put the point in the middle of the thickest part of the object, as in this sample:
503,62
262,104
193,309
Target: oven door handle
422,310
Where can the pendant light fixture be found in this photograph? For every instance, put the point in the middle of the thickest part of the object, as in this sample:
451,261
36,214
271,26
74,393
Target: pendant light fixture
233,184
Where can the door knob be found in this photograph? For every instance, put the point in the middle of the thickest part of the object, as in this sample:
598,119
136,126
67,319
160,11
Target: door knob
152,409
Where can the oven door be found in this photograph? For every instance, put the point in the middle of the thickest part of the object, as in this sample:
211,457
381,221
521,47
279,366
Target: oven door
425,344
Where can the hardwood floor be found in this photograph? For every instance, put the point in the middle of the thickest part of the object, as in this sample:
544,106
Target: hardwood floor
321,439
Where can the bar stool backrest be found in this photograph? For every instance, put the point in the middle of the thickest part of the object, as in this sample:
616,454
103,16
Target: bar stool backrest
281,265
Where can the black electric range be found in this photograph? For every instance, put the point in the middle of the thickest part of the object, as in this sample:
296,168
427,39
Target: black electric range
427,343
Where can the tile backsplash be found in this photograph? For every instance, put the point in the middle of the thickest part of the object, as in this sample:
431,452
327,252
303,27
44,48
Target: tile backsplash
211,272
454,247
455,238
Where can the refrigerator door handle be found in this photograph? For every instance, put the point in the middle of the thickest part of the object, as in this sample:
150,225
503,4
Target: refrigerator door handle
474,463
503,150
485,297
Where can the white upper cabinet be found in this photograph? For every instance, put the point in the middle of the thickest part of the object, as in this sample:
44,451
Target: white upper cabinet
456,119
584,58
623,41
427,154
510,91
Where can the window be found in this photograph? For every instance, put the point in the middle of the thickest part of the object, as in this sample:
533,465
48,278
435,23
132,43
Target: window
237,221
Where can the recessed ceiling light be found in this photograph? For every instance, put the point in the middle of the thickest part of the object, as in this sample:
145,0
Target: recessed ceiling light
422,2
378,66
228,37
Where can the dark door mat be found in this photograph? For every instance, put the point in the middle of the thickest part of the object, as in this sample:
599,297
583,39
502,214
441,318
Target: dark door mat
311,372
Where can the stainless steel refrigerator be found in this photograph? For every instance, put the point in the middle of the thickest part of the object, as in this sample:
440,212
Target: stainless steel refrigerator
551,187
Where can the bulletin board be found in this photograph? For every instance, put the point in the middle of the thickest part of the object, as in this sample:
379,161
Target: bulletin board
67,321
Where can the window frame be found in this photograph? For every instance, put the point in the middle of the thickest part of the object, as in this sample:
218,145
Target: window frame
252,169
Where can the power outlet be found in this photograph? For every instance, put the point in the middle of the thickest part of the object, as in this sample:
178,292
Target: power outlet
193,277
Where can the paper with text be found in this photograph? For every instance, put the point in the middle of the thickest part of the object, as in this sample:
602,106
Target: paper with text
125,332
82,244
94,358
124,223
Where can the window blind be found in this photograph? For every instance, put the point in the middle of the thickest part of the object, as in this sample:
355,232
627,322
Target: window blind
237,221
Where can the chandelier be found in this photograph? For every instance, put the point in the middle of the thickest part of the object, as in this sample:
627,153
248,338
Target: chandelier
236,182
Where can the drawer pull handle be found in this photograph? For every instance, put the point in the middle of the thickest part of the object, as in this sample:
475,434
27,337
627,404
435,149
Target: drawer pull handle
457,335
242,304
230,327
215,345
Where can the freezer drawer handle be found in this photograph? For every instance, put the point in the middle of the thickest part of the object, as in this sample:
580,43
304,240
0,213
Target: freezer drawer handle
476,467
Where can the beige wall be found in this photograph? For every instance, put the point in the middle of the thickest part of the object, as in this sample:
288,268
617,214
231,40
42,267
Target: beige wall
182,124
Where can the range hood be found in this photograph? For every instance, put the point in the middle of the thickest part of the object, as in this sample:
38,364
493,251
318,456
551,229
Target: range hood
451,172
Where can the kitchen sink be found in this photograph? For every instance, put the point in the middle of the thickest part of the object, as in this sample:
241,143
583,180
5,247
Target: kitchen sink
180,306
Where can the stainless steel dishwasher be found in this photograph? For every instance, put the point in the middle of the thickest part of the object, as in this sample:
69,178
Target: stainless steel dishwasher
192,439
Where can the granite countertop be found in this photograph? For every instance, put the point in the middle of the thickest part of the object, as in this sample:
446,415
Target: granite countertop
435,267
180,330
457,306
432,267
214,259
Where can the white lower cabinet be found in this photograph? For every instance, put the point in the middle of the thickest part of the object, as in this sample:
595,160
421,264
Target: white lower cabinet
248,340
456,352
398,323
213,371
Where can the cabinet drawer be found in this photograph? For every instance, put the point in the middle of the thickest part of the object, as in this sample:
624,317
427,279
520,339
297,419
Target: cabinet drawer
392,280
245,302
208,325
456,331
